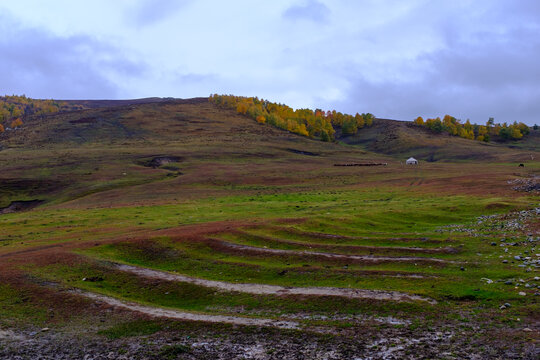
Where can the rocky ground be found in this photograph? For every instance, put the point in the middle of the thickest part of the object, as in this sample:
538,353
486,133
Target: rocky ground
238,343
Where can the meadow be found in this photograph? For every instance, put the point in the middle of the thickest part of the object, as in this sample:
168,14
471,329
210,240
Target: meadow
174,223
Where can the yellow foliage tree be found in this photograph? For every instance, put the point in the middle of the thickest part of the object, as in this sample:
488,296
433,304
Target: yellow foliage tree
515,133
242,108
302,130
419,121
261,119
2,128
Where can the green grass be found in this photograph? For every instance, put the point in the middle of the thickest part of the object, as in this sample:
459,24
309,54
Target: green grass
196,298
99,196
18,306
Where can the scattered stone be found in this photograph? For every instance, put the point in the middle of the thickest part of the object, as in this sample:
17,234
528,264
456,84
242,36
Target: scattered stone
521,293
507,304
493,244
488,281
527,330
462,268
509,282
505,261
517,257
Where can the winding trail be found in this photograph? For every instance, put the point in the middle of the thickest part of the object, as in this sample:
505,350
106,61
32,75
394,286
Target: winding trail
361,258
263,289
181,315
327,245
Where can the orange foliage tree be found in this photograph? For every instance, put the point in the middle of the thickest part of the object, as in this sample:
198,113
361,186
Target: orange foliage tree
16,123
312,123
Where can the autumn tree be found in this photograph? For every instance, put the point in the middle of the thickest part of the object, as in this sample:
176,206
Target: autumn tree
2,128
419,121
16,123
305,122
467,130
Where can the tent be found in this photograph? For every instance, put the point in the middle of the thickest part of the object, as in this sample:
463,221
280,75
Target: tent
411,161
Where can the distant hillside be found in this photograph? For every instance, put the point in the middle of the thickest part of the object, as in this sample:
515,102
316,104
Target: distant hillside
96,104
165,120
394,137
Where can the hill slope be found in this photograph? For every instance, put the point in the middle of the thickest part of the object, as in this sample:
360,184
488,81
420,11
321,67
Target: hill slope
402,138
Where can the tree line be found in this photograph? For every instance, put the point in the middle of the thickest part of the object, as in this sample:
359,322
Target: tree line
13,109
487,132
306,122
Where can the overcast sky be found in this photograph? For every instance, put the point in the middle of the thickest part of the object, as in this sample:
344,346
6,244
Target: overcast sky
394,58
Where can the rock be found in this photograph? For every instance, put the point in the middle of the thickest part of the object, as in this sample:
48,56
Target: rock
462,268
502,307
488,281
493,244
505,261
521,293
536,278
509,282
507,304
45,329
527,330
517,257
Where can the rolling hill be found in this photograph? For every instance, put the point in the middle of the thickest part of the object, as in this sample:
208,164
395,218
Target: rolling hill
145,228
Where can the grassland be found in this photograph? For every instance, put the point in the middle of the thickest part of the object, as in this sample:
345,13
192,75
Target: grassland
237,206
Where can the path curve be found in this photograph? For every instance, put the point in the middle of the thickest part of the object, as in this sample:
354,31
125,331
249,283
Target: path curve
181,315
263,289
373,258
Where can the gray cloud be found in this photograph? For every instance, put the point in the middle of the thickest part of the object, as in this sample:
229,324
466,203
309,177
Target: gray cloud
480,71
150,12
44,66
311,10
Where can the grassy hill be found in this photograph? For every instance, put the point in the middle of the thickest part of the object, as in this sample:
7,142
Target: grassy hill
147,228
394,137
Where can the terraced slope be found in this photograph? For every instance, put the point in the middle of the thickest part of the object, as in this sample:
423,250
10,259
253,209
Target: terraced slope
205,234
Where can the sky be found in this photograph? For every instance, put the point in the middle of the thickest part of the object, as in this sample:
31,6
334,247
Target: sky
397,59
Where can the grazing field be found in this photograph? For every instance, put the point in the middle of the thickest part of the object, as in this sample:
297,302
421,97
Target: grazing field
175,229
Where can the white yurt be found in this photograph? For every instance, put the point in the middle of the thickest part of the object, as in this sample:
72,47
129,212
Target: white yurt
411,161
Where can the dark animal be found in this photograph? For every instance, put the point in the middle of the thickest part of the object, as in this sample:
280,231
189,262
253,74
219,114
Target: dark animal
521,165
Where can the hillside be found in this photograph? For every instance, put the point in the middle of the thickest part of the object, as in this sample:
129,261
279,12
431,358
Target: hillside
103,148
133,144
394,137
145,228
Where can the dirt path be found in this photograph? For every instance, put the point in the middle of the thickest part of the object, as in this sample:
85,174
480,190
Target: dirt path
409,249
263,289
362,258
181,315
